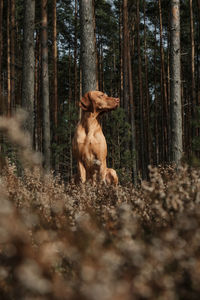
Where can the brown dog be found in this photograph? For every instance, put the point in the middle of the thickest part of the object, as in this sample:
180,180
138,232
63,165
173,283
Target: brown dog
89,144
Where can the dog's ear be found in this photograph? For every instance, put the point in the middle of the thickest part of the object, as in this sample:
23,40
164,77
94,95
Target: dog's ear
86,103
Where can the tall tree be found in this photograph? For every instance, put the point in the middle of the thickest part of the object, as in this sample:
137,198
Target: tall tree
45,88
1,44
55,72
88,49
8,60
156,104
141,100
198,66
163,92
193,88
75,51
12,54
132,118
147,112
177,144
125,61
28,64
128,92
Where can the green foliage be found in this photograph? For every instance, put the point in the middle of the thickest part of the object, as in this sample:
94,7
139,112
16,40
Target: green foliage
195,159
118,136
62,149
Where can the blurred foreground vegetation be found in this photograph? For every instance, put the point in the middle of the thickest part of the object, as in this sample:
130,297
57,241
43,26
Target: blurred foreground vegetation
62,241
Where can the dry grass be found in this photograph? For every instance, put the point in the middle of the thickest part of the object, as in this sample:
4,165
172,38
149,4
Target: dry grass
81,242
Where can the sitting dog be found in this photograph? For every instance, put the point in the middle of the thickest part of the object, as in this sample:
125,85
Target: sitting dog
89,143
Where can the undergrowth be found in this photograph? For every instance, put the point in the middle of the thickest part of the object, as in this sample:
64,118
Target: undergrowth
61,241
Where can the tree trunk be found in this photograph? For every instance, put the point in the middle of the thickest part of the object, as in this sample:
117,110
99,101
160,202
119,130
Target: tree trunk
147,112
1,44
132,115
121,54
75,53
55,72
125,61
163,92
193,92
141,100
88,51
177,147
8,60
45,88
37,145
28,65
12,55
156,109
198,2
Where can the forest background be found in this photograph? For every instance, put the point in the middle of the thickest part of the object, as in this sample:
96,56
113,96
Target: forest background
132,40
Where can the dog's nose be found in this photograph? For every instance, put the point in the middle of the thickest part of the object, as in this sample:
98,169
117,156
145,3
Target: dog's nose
117,100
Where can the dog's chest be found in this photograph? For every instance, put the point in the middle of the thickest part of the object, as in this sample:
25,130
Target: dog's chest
92,146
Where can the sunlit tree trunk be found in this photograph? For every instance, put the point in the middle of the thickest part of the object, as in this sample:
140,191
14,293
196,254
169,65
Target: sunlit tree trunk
45,88
177,147
28,65
88,49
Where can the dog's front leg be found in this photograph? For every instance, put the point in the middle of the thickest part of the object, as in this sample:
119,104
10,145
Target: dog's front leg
102,172
82,172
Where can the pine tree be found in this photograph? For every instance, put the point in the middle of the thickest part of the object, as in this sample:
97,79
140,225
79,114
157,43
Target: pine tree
177,145
88,51
45,88
29,65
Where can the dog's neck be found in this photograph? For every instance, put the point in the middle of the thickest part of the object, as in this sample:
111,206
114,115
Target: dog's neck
90,120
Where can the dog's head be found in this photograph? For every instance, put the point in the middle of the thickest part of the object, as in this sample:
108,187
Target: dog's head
96,101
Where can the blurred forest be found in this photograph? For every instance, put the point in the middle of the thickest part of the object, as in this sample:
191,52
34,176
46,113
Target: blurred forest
133,42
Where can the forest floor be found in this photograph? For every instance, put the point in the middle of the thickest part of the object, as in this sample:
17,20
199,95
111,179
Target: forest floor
61,241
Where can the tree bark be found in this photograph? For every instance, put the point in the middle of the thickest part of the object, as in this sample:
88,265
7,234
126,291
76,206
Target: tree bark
141,100
132,117
1,44
156,104
12,54
28,65
193,91
75,53
88,50
165,113
125,61
198,4
8,60
45,89
147,112
177,145
55,72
